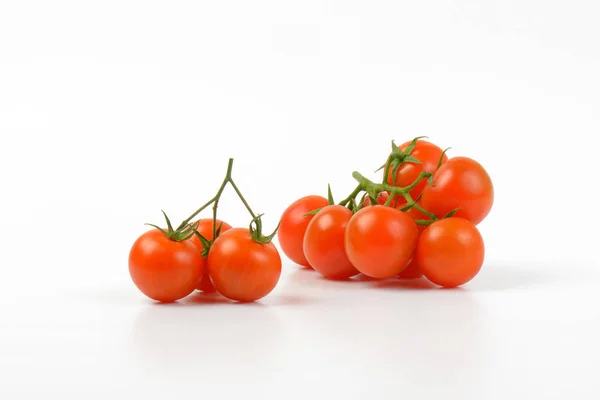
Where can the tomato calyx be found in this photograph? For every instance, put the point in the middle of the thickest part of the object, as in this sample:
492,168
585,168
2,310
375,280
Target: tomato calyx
256,231
176,235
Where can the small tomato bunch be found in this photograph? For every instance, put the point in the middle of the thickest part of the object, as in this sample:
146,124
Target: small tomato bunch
420,220
242,264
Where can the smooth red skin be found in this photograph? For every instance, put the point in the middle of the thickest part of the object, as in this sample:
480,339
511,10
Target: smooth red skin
163,269
205,228
429,154
242,269
450,252
460,183
380,241
324,243
293,227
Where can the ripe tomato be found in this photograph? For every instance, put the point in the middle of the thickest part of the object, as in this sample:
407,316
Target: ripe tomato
205,228
460,183
429,154
293,226
163,269
324,243
450,252
380,241
242,269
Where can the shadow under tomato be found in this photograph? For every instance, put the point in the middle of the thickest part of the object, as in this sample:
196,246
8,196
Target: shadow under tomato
409,284
206,298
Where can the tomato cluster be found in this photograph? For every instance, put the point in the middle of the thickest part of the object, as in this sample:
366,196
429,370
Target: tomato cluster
420,220
207,255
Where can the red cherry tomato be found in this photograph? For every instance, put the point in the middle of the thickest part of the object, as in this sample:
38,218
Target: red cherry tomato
324,243
429,154
205,228
293,226
242,269
163,269
450,252
380,241
460,183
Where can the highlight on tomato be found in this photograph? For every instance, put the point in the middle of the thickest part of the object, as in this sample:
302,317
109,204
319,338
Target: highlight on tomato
293,224
380,241
324,243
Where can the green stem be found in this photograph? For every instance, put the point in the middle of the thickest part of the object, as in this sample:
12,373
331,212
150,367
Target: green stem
369,185
239,193
352,195
213,200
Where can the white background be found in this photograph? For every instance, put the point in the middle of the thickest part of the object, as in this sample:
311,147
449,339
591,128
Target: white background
113,110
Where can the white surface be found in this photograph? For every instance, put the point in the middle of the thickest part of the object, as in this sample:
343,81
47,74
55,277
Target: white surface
110,111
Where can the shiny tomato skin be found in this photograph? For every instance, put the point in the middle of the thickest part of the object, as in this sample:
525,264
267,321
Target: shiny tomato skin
205,228
460,183
450,252
380,241
293,227
242,269
162,269
324,243
429,154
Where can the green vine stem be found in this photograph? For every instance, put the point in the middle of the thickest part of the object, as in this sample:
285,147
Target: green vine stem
186,230
371,187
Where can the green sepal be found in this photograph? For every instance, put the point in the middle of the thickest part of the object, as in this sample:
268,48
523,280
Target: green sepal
409,149
169,226
412,159
451,214
159,228
329,196
441,160
313,212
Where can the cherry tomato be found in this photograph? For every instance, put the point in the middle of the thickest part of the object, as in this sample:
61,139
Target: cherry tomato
450,252
205,228
429,154
324,243
242,269
163,269
460,183
293,226
380,241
